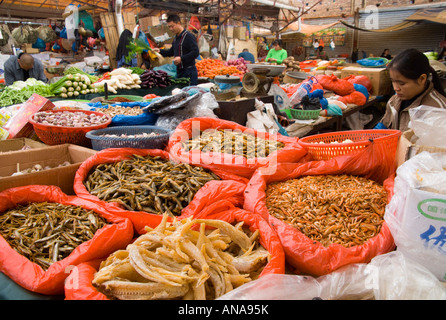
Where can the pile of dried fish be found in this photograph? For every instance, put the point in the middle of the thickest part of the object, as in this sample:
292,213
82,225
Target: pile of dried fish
342,209
151,184
173,261
47,232
232,142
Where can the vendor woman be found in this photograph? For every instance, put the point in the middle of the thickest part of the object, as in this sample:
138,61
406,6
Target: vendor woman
415,83
22,67
276,54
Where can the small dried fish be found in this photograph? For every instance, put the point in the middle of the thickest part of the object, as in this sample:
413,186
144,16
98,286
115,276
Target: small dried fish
47,232
232,142
341,209
150,184
174,261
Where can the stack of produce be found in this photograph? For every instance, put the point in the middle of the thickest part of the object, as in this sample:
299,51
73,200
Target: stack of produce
121,78
210,68
239,63
20,91
291,64
71,86
152,79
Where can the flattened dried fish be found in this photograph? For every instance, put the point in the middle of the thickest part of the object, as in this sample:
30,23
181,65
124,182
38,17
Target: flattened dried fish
174,261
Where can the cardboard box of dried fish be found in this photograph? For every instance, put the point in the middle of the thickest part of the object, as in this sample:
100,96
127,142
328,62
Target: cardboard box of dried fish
191,258
141,183
231,147
44,233
328,214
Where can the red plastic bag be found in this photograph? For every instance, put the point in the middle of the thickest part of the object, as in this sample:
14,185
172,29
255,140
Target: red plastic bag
360,79
355,97
31,276
139,218
84,273
234,164
301,252
339,86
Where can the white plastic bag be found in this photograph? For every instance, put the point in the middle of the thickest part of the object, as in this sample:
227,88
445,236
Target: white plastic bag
390,276
417,211
280,97
428,124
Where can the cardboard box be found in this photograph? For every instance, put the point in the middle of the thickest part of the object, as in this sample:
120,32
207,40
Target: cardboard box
62,177
147,22
379,78
240,33
18,126
20,144
407,148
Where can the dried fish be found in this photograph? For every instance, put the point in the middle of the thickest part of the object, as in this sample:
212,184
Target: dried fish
341,209
232,142
150,184
174,261
47,232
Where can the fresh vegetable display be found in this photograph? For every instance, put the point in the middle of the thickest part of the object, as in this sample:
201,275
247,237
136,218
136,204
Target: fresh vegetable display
152,79
69,119
74,71
210,68
239,63
71,86
20,91
121,78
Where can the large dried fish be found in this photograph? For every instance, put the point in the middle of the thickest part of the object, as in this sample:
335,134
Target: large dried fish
232,142
47,232
177,261
151,184
341,209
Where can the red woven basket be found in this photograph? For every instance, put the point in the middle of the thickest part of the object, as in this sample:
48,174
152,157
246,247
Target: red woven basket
54,135
320,146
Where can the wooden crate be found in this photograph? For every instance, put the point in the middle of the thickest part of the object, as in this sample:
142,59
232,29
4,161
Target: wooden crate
110,27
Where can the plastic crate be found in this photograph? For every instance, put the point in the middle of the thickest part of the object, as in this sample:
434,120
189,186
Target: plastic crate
305,114
54,135
100,142
361,139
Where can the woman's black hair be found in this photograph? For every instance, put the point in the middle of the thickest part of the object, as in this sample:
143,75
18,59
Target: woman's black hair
277,41
412,63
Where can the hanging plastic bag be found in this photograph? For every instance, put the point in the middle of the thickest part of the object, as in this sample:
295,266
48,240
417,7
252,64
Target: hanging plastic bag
29,275
139,218
231,163
303,253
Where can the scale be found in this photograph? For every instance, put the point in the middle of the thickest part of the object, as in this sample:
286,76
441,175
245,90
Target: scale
258,81
227,87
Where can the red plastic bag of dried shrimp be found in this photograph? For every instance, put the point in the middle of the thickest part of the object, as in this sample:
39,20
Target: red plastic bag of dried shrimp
115,235
303,213
274,148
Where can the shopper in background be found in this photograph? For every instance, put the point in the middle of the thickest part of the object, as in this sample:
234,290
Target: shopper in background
276,54
22,67
415,83
386,54
248,56
321,54
184,50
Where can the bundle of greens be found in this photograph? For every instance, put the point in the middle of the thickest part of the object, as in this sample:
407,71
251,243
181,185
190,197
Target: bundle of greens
20,91
74,71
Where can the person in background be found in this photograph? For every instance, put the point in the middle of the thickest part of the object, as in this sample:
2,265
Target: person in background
248,56
22,67
386,54
184,50
415,83
276,54
262,49
122,51
145,60
321,54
